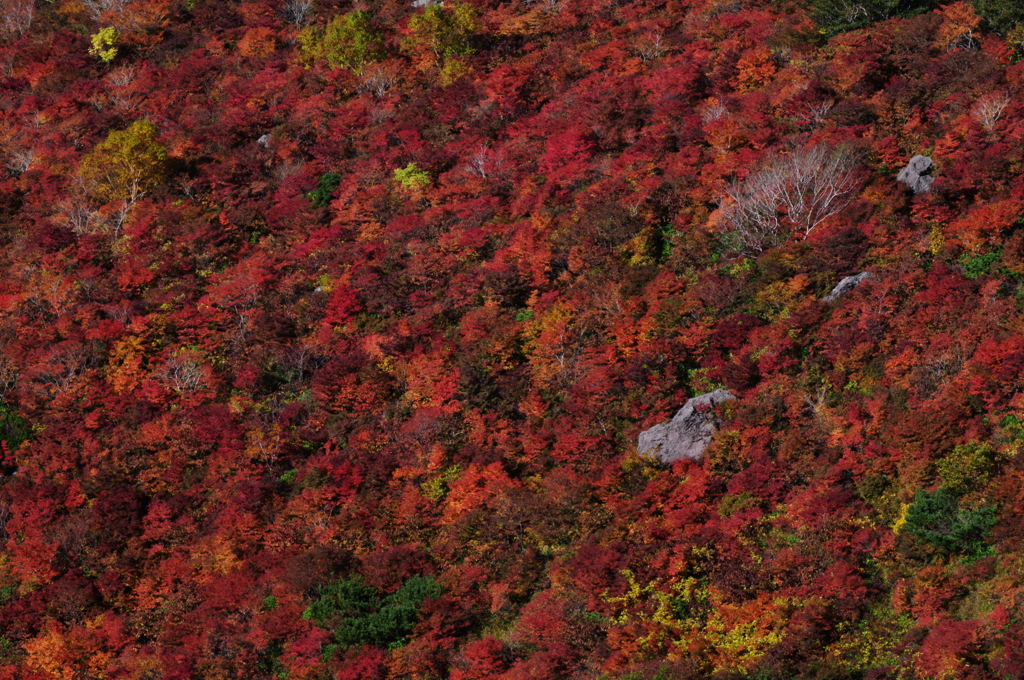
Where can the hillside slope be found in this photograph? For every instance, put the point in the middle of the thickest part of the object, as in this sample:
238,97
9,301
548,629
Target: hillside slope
328,332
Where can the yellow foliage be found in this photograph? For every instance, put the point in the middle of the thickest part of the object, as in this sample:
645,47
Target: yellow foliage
412,178
47,652
104,44
901,521
936,240
126,372
741,634
437,488
548,345
257,42
127,164
870,643
214,555
959,24
453,69
631,597
264,445
774,302
756,68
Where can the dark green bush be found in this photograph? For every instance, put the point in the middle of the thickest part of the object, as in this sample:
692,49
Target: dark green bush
1000,15
358,614
342,599
322,195
976,266
13,428
937,518
837,16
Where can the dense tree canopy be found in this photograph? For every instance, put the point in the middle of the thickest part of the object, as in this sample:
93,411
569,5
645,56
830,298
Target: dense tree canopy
327,331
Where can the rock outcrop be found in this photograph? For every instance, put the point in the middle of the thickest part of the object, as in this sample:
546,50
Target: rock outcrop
917,175
848,284
689,432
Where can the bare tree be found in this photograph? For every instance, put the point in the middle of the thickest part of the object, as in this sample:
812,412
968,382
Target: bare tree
119,86
287,169
298,11
817,183
62,368
815,113
189,185
843,12
299,363
15,18
109,9
795,192
184,373
712,110
75,209
989,109
651,46
549,6
486,163
478,162
20,160
8,375
377,78
752,216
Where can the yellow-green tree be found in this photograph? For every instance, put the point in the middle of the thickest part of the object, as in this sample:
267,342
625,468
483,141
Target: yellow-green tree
443,35
349,41
126,165
104,44
412,178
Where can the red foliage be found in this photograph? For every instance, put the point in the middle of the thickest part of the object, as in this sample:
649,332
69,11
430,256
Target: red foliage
220,397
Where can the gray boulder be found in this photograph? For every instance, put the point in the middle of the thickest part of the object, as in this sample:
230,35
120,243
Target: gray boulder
848,284
689,432
917,175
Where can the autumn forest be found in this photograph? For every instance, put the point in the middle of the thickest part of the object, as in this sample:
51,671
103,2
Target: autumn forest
329,330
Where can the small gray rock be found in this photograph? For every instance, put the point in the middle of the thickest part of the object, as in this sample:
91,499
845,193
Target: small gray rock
917,175
264,141
426,3
689,432
848,284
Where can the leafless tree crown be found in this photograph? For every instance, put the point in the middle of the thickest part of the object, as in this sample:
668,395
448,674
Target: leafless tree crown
378,78
298,11
989,109
792,193
105,8
15,18
651,46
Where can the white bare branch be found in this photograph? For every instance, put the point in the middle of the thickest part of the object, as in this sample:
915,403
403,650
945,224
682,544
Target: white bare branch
20,160
119,86
184,373
15,18
791,193
815,113
105,9
298,12
377,78
480,161
651,46
712,110
989,109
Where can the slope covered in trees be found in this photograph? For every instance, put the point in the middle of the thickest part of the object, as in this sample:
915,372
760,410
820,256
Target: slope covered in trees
327,331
